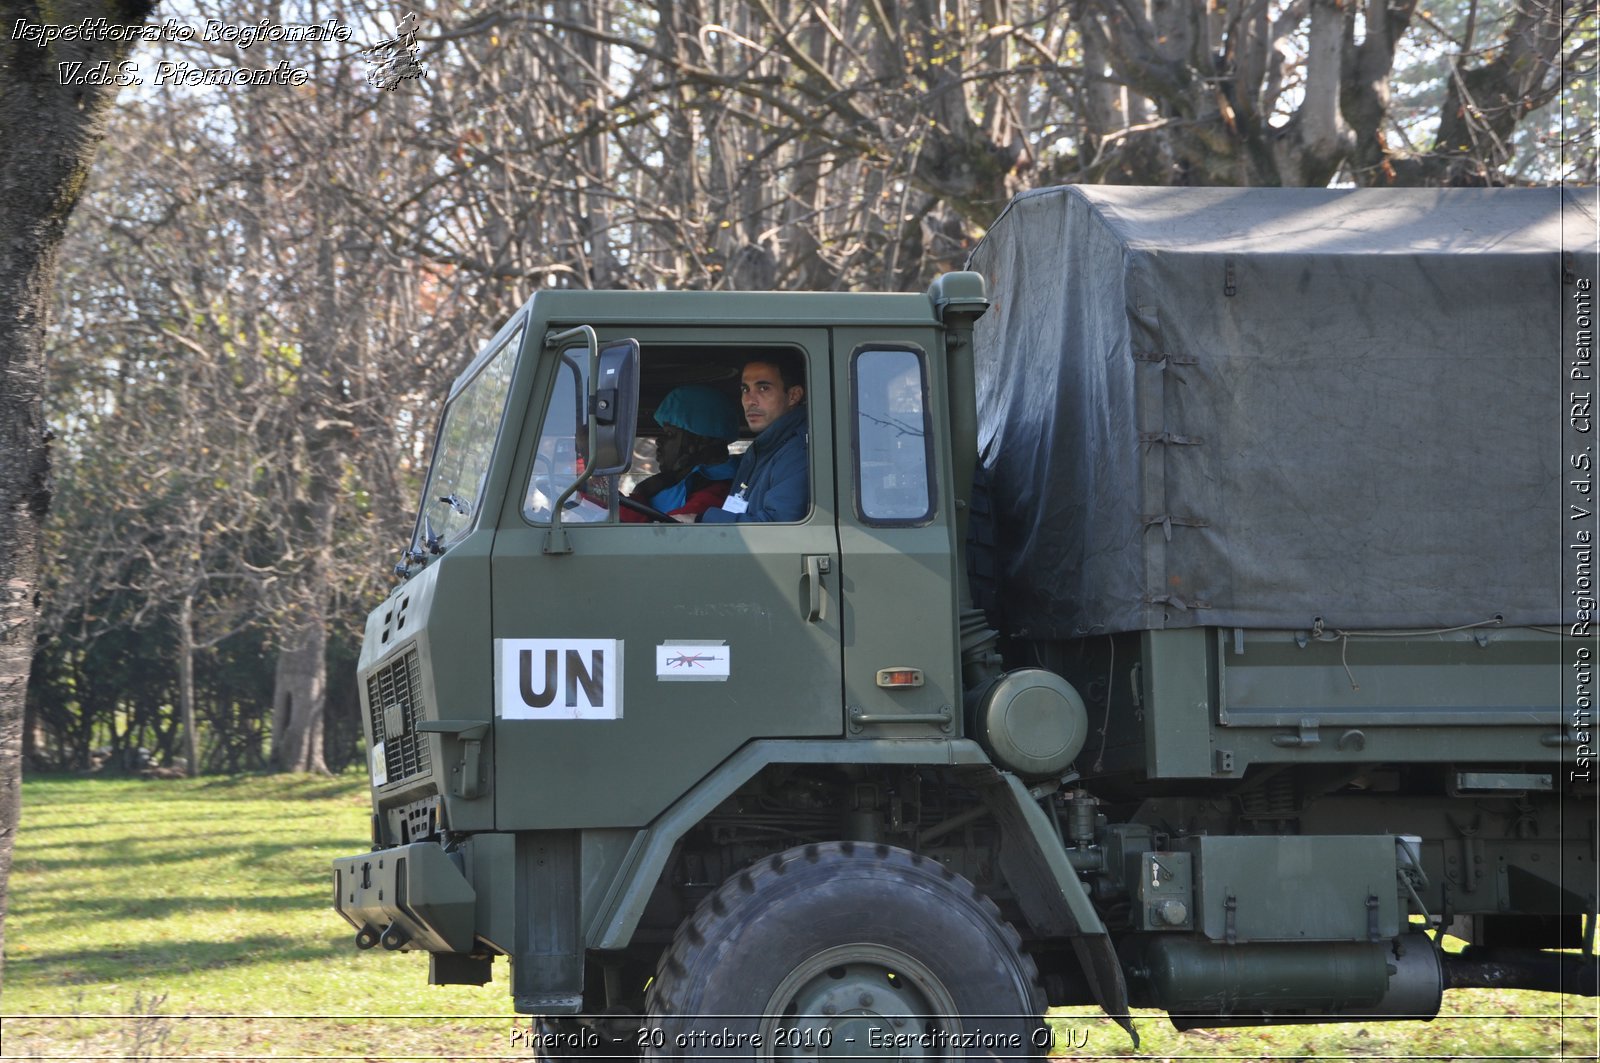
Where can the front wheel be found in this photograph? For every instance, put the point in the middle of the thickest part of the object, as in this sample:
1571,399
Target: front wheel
842,950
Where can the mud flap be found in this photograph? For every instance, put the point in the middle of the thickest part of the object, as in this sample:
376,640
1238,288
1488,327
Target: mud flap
1054,902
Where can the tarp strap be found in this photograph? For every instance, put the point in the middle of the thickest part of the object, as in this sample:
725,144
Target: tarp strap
1177,603
1163,359
1169,438
1167,520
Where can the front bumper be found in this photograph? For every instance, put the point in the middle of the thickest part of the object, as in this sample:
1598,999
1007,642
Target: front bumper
408,897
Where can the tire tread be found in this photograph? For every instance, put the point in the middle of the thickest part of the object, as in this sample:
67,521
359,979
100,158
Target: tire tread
705,927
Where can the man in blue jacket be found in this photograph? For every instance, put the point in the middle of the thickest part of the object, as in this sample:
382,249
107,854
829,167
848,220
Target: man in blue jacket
773,481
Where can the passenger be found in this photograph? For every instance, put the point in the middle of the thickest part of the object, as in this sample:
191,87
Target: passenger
697,424
772,483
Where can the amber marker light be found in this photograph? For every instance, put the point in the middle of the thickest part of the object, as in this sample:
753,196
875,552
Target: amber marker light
889,678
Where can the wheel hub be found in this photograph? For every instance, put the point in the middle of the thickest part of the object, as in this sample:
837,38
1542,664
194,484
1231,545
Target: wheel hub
859,1001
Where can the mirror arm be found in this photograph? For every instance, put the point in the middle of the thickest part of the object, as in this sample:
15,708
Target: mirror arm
555,541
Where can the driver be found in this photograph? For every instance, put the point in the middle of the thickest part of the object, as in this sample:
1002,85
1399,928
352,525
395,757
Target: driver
773,472
697,424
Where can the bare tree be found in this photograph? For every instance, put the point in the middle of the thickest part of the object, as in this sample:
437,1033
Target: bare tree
792,143
308,265
256,279
1302,92
50,130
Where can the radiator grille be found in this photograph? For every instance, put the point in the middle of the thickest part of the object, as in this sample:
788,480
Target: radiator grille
394,694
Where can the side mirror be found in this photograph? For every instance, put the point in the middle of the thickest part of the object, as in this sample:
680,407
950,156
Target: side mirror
614,407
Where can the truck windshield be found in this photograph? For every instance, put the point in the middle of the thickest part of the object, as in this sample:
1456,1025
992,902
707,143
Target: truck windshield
461,453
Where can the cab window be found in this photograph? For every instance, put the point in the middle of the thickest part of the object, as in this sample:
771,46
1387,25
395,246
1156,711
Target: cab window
689,437
468,433
893,481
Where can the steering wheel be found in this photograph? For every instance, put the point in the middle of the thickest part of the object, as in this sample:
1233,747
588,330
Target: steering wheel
650,513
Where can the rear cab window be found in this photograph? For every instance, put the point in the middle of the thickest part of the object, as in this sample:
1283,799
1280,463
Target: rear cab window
892,440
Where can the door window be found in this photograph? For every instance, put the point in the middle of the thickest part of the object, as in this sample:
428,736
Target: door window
691,432
893,484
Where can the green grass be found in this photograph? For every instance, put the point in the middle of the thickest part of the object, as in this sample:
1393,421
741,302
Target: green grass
191,919
211,897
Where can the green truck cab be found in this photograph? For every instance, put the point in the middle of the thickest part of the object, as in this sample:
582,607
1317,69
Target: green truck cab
1033,706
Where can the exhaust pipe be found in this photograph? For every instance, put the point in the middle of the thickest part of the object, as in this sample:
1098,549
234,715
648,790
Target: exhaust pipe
1201,984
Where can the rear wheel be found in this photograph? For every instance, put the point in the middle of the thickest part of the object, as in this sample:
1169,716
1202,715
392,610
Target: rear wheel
844,950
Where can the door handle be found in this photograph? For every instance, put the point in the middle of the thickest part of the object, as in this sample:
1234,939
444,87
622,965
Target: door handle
817,566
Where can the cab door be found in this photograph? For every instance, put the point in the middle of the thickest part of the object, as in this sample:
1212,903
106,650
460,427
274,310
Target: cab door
630,667
901,673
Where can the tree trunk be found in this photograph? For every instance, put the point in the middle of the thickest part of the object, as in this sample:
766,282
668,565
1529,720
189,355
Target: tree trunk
50,132
299,699
300,677
596,187
191,741
300,682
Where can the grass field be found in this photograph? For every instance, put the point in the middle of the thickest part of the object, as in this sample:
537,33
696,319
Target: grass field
191,919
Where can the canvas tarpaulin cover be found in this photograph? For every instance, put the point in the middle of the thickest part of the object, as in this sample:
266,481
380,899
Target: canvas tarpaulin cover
1271,407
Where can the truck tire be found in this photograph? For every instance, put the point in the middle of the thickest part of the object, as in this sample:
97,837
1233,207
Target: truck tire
844,949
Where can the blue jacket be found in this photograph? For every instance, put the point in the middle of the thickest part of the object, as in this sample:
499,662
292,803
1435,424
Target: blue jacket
678,494
773,475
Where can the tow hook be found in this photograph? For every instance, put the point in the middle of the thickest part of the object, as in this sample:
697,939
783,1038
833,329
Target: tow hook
394,937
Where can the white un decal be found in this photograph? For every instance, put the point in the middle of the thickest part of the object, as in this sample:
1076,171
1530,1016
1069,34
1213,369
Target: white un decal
558,679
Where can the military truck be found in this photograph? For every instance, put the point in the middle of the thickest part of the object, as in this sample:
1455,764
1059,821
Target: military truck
1193,612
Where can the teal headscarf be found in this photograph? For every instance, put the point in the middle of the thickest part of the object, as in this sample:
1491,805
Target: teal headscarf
703,410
